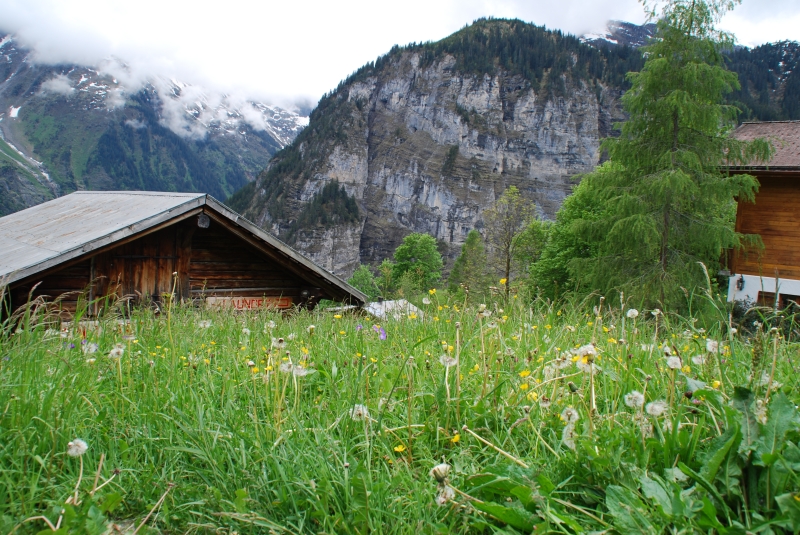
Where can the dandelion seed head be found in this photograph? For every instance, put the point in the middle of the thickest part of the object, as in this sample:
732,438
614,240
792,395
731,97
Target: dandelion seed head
634,399
440,472
117,352
359,412
712,346
632,313
445,496
674,363
77,447
447,361
204,324
570,415
656,408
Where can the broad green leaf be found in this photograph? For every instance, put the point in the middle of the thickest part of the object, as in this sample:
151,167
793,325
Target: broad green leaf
628,511
718,451
111,502
703,483
789,504
516,518
240,502
743,401
545,485
781,418
655,491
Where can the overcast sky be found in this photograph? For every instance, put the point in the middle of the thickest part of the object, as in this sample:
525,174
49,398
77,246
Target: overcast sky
283,51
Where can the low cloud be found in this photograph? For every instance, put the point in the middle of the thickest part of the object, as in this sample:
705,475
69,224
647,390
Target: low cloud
59,85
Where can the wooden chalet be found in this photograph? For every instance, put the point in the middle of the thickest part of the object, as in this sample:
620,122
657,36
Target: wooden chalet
139,246
770,276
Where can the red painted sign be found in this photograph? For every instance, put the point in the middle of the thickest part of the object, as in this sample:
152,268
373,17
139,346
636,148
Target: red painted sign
249,303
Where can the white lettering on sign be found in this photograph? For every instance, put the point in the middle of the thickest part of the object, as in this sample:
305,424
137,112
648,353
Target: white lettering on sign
248,303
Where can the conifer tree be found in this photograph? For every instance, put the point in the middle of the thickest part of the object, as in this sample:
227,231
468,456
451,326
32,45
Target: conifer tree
668,202
470,268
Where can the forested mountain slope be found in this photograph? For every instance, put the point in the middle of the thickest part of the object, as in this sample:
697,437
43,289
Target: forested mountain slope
74,127
428,136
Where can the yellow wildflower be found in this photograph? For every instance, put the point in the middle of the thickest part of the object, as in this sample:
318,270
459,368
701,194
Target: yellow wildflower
523,373
400,448
432,291
503,281
532,396
455,438
523,386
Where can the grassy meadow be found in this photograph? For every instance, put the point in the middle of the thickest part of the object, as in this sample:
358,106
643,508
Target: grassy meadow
498,418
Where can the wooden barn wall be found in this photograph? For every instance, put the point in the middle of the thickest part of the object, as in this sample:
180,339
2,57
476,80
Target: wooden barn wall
775,217
223,264
208,262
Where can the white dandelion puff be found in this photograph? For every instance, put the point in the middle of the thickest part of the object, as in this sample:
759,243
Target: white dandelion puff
440,472
699,360
77,447
117,352
246,331
712,346
570,415
204,324
286,367
88,349
656,408
632,313
634,399
447,361
426,301
311,329
674,363
568,436
301,371
359,412
446,495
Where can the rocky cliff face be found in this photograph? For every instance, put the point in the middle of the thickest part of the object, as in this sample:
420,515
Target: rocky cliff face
426,147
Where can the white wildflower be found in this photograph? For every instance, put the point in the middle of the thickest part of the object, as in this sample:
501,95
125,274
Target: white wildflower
269,325
699,360
117,352
246,331
291,336
674,363
278,343
545,402
91,361
359,412
655,311
251,364
90,348
446,495
311,329
77,447
440,472
764,381
634,399
647,347
586,350
666,349
491,324
301,371
448,361
568,436
481,307
286,367
646,428
570,415
632,313
712,346
570,328
204,324
587,366
656,408
734,330
426,301
760,412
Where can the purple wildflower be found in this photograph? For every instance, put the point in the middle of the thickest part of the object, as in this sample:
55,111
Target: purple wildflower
359,327
72,346
383,334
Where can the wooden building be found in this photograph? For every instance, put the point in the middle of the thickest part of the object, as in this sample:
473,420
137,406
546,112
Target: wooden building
773,273
138,246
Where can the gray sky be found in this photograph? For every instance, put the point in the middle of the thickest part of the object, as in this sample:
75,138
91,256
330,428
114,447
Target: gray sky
282,51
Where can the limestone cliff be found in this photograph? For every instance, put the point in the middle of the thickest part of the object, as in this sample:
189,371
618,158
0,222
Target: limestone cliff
425,144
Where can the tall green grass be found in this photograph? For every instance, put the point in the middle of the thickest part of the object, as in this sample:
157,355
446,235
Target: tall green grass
199,425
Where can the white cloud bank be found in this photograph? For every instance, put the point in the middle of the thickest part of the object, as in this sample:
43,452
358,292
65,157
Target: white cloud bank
282,52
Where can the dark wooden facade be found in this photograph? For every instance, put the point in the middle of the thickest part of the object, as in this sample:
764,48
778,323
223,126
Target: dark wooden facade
204,256
775,217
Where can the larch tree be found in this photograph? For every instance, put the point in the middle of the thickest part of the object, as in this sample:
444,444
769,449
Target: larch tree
504,222
668,202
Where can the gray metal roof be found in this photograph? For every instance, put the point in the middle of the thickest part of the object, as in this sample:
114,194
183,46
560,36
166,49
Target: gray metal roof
65,228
